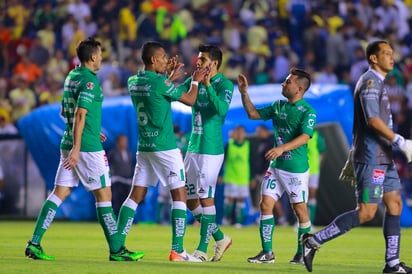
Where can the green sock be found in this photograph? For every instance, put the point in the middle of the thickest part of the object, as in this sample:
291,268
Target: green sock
228,210
240,212
301,231
217,234
198,217
266,229
44,220
178,221
159,211
207,223
107,220
125,222
312,212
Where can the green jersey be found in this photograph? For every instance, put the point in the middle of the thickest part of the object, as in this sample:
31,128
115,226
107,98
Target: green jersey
290,121
82,90
152,95
208,115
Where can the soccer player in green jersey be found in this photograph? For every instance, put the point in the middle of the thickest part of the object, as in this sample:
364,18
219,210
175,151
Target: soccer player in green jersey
205,152
157,157
293,123
82,155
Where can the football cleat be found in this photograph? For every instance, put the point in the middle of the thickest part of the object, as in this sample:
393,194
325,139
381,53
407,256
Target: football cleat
262,258
35,252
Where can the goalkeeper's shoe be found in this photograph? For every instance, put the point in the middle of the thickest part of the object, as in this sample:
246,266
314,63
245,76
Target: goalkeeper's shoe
220,248
262,258
183,256
35,252
399,268
309,251
126,255
297,259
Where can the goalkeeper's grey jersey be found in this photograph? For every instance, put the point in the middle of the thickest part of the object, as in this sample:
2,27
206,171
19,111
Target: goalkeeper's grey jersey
371,100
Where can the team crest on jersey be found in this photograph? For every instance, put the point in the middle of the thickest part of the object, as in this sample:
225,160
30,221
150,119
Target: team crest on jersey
89,85
370,83
168,82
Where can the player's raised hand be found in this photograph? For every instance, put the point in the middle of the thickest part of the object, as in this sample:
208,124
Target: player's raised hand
175,69
242,83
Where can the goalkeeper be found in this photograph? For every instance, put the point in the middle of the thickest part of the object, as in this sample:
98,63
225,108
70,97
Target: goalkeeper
373,168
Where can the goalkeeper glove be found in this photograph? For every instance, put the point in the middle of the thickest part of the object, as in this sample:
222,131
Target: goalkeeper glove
404,145
347,173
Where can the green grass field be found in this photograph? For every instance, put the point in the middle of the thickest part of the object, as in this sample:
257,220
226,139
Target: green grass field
80,248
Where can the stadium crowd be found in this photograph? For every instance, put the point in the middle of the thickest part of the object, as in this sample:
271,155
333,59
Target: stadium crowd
262,39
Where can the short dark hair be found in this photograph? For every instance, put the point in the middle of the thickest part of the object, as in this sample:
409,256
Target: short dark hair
303,76
148,50
87,48
215,53
374,48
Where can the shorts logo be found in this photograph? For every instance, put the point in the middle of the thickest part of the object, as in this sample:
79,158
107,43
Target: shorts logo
378,176
172,174
201,190
267,174
91,180
293,195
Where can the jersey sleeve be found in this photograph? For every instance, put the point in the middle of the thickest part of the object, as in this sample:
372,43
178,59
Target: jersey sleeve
369,98
221,99
267,112
309,122
87,93
166,88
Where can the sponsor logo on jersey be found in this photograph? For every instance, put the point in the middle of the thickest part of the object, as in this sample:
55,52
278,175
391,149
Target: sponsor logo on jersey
90,85
168,82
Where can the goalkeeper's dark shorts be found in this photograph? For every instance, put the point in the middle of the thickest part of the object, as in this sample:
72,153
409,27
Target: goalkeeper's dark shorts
372,181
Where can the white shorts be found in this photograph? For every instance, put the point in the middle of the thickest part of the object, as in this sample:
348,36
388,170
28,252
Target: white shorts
236,191
277,181
92,170
163,166
202,172
314,181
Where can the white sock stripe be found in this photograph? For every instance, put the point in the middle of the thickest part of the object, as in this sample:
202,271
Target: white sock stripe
305,225
209,210
53,198
130,204
179,205
266,217
104,204
197,211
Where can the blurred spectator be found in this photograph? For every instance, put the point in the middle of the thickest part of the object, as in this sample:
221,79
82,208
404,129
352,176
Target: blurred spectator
20,14
402,120
236,177
28,70
53,92
121,163
47,37
326,76
111,86
6,126
58,66
396,93
38,53
44,15
78,36
22,99
4,93
128,24
79,9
